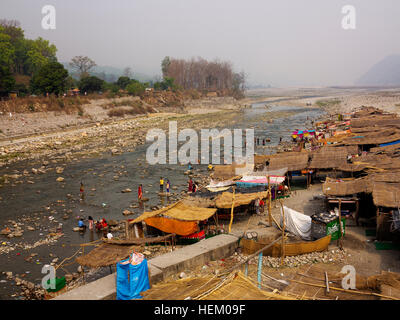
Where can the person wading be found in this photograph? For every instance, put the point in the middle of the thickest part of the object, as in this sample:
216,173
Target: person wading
161,185
82,191
190,185
140,192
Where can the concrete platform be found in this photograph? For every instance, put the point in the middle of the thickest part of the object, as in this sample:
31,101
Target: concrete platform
160,267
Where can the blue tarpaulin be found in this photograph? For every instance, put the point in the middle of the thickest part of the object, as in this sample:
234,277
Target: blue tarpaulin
390,143
132,280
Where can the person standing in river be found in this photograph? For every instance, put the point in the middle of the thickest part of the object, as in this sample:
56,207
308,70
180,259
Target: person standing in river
167,186
190,185
90,219
82,191
161,184
140,192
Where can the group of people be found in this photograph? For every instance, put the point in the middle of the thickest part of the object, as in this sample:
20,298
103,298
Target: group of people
100,225
167,185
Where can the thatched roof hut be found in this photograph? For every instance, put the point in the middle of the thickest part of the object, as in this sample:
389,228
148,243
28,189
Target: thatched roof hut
105,255
386,194
180,211
293,161
345,187
328,157
224,200
378,120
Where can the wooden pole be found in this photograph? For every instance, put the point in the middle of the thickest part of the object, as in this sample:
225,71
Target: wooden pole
340,225
233,206
127,229
326,282
259,270
283,235
269,203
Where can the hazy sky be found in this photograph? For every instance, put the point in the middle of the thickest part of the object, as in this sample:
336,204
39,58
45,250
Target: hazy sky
279,42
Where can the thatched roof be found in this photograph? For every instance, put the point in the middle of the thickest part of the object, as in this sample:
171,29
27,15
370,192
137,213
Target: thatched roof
229,171
378,120
105,255
293,161
378,161
386,176
235,286
367,111
386,149
386,194
344,187
379,137
224,200
179,211
328,157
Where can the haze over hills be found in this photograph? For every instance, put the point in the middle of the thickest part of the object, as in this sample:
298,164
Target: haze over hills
112,74
385,73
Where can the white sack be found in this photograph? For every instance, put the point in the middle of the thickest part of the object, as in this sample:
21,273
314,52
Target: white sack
297,223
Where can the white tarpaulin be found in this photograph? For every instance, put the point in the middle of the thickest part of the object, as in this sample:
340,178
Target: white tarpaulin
297,223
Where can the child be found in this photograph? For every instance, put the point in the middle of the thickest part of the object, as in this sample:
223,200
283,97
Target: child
167,186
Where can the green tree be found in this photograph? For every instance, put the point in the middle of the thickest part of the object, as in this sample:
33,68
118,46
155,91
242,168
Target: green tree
123,81
51,78
135,88
39,53
91,84
7,54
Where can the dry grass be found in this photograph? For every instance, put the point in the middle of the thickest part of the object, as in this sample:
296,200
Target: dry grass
42,104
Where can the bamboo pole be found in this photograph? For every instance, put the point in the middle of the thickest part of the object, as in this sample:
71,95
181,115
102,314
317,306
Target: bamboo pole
283,234
340,241
269,203
233,206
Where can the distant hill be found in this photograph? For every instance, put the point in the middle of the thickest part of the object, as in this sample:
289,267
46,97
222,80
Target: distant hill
385,73
110,74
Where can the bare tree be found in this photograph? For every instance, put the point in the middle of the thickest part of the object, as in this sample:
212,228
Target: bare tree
204,75
10,23
82,64
128,72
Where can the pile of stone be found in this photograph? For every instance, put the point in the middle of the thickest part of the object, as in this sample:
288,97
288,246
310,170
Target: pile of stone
329,256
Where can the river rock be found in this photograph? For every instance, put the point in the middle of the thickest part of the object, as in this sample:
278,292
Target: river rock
127,212
69,277
5,231
126,190
60,179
